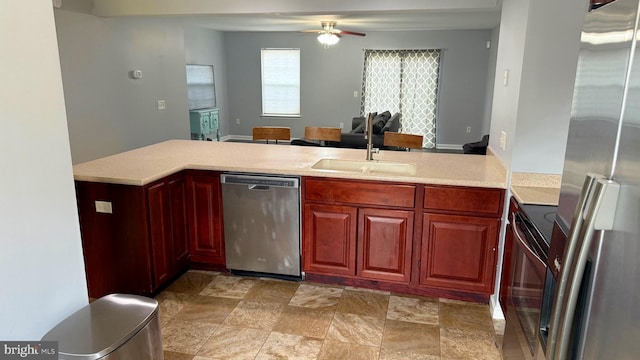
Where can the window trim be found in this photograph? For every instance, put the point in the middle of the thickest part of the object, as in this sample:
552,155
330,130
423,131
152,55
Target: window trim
262,86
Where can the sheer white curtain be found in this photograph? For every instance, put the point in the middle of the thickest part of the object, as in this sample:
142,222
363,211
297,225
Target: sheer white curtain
404,81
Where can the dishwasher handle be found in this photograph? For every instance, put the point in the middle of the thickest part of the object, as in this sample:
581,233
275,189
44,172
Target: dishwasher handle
259,182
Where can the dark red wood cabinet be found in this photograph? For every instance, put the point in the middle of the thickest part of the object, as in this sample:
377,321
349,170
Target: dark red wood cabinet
458,252
167,228
206,234
385,244
116,247
353,228
331,231
460,229
432,240
422,239
141,244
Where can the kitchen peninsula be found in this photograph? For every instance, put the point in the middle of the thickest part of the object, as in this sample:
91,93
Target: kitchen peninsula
149,213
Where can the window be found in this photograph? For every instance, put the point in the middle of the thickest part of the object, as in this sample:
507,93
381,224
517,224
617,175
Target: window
404,81
201,90
280,82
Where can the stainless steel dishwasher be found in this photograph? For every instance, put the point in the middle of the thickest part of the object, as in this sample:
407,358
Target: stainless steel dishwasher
262,223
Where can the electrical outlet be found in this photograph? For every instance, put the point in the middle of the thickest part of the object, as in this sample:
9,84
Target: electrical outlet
355,94
104,207
341,125
468,129
237,121
162,104
503,140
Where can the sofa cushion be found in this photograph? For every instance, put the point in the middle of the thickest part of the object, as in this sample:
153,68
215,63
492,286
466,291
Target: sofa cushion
357,125
379,121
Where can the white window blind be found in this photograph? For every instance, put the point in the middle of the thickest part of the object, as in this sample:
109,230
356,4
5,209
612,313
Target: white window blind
201,90
280,82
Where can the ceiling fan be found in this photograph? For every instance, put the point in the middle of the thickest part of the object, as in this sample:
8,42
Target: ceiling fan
329,35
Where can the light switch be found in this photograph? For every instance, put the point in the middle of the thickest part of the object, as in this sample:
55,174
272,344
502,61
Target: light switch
162,105
104,207
355,94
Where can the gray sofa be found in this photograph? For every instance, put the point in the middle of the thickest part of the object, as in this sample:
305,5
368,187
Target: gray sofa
355,138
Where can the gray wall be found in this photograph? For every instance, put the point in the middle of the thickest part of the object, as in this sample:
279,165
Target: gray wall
548,76
41,265
539,43
330,76
205,46
107,111
491,74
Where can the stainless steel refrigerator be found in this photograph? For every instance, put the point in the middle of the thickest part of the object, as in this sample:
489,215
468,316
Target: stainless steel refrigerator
592,289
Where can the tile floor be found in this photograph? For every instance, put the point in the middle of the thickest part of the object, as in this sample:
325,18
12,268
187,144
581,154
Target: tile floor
207,315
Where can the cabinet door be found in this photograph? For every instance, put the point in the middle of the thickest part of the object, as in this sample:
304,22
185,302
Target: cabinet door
458,252
384,244
160,232
205,219
329,241
179,232
213,120
167,228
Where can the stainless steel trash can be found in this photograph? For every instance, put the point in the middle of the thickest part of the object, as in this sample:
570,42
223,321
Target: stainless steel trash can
114,327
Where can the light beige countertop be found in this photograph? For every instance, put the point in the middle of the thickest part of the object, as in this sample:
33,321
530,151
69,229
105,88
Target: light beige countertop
538,189
147,164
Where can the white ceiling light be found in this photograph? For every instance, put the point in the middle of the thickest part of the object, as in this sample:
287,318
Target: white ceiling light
327,39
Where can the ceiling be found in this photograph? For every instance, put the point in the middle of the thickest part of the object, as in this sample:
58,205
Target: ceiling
295,15
362,22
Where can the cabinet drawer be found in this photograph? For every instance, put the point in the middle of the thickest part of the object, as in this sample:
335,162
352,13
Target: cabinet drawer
463,199
364,193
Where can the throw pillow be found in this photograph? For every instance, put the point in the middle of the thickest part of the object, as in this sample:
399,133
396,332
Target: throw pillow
380,121
359,129
392,124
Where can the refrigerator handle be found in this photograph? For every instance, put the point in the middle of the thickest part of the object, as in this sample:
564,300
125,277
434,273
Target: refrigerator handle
569,252
600,208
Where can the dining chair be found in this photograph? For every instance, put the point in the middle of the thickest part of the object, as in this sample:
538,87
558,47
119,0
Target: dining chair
406,141
271,133
322,134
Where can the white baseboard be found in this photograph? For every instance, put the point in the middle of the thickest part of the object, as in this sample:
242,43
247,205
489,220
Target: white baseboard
236,137
449,146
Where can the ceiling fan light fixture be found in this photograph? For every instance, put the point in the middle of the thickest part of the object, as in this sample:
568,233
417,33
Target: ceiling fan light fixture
328,39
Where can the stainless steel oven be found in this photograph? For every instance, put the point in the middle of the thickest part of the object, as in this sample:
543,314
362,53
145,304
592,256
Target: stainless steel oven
529,250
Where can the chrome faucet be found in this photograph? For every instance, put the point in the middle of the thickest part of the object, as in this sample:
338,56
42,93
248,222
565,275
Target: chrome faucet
368,134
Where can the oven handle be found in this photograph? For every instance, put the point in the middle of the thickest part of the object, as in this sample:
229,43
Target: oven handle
530,253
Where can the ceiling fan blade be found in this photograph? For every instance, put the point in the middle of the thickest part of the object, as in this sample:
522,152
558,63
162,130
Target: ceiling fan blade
311,31
345,32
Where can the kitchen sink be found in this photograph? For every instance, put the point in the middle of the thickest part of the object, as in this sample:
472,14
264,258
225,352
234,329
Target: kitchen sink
368,167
